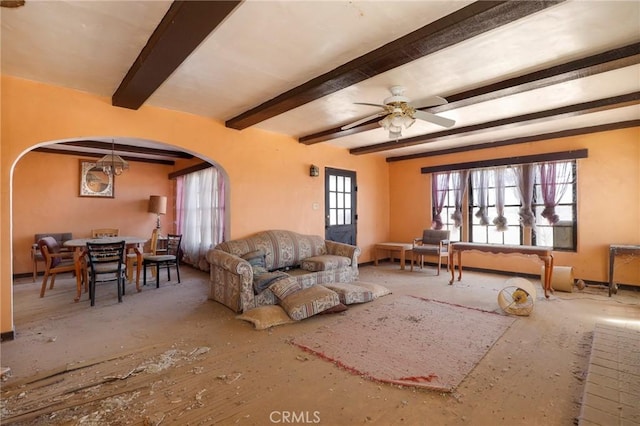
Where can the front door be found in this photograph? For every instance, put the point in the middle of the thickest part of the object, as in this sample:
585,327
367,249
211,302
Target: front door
340,205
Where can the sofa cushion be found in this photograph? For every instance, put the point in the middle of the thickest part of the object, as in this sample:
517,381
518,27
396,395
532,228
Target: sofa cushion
377,289
283,249
285,287
266,316
324,262
309,301
263,280
350,293
336,309
255,258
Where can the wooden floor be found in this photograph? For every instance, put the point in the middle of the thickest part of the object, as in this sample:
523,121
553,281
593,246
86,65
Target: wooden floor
171,356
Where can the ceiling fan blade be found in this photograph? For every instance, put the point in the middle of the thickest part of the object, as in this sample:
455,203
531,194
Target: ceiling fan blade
429,102
435,119
367,103
363,120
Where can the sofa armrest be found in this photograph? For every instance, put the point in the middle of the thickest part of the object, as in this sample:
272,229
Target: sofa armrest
346,250
231,280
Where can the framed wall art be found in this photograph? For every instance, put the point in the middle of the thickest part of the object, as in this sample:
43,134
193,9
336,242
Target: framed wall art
93,182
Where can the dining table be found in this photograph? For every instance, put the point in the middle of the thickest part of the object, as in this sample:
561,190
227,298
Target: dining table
80,247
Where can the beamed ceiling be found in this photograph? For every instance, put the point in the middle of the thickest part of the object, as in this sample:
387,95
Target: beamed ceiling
512,72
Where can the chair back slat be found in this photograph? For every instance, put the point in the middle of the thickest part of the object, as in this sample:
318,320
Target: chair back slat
153,244
106,258
106,252
105,232
434,236
173,244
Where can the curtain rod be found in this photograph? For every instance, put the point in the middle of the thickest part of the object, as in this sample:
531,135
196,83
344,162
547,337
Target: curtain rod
509,161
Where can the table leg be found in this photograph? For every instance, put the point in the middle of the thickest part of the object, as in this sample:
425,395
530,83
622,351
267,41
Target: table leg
138,267
548,274
459,265
612,257
452,263
375,256
402,257
77,259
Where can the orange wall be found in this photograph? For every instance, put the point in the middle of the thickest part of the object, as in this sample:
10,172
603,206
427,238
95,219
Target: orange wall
270,185
269,178
608,202
45,194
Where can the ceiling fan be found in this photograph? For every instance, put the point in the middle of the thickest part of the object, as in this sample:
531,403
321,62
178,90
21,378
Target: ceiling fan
399,113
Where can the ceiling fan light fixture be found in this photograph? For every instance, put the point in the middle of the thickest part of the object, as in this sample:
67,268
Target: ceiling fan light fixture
400,114
112,164
385,122
395,134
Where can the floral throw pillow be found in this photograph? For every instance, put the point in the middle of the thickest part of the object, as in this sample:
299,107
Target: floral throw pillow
285,287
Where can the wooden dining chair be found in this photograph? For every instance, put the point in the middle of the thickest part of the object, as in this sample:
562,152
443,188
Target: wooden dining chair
168,260
105,232
55,261
432,243
106,263
132,258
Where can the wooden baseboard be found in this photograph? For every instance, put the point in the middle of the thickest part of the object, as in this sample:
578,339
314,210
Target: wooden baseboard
7,335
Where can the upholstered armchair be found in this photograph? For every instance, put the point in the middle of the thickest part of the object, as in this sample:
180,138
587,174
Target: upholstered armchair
432,243
36,254
55,261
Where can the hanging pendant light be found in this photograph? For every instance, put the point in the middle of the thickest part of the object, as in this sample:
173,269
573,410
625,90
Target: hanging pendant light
112,164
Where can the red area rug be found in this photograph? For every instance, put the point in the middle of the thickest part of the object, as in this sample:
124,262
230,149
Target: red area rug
408,341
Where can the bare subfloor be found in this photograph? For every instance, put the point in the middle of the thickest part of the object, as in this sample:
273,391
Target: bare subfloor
170,356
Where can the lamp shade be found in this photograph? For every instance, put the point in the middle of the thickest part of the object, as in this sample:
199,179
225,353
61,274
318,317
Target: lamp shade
158,204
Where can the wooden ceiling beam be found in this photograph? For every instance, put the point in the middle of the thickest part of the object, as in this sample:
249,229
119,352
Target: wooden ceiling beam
47,150
185,25
468,22
524,139
511,122
607,61
106,146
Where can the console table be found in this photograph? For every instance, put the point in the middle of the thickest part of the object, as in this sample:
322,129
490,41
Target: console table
624,251
403,248
543,253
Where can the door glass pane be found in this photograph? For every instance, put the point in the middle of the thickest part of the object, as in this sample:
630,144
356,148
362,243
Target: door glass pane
340,217
332,183
332,217
332,200
347,184
347,217
340,200
340,184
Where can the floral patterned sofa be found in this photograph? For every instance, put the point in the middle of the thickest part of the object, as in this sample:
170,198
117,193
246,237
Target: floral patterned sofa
306,259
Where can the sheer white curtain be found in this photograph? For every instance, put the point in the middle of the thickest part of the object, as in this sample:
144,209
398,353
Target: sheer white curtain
439,188
480,180
524,174
200,214
459,181
500,221
555,179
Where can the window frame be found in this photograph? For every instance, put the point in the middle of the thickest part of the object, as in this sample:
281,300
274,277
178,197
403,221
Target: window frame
469,207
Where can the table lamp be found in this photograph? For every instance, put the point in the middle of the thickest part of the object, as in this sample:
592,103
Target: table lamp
158,205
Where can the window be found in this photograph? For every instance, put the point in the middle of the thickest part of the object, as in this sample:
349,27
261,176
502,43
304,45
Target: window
448,209
200,214
511,232
561,234
493,198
